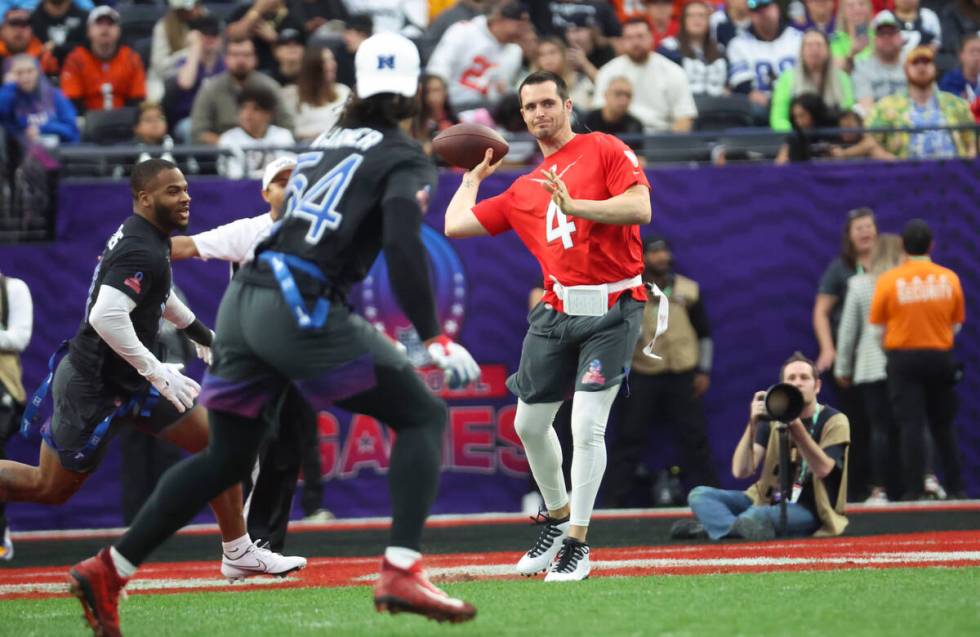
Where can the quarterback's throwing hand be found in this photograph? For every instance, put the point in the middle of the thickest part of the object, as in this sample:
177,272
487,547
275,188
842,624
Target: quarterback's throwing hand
559,192
460,368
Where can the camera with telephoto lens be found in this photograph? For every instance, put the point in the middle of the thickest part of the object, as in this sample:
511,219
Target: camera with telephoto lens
784,403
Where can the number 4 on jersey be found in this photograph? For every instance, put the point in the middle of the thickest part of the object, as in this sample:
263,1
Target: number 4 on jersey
558,226
317,203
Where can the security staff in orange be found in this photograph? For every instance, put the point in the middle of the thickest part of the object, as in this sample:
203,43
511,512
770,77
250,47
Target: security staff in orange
920,305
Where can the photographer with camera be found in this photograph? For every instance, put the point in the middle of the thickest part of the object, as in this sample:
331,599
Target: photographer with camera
818,439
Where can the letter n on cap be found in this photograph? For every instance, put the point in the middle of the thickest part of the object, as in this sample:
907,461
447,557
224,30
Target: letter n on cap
386,62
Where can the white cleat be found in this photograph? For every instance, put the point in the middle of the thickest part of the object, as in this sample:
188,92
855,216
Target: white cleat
543,553
572,564
258,560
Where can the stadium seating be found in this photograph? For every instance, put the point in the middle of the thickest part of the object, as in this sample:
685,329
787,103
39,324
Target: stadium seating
720,113
109,127
676,149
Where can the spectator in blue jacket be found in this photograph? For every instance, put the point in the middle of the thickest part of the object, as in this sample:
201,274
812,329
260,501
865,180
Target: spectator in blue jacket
31,109
964,80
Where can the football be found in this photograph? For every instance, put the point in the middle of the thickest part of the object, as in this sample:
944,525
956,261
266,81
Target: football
463,145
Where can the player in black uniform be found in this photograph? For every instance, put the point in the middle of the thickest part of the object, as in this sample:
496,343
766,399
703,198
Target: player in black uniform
112,376
284,319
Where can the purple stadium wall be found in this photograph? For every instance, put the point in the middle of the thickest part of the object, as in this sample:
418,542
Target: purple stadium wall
755,237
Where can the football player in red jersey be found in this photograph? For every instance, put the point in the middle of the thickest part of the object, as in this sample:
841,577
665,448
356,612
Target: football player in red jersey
579,213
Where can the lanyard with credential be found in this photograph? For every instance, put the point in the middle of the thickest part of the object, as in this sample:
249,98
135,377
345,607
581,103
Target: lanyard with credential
798,483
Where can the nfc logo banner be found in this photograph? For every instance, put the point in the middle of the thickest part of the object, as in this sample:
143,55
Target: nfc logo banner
386,62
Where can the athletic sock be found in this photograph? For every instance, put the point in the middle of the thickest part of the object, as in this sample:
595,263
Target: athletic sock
236,548
188,486
124,568
401,557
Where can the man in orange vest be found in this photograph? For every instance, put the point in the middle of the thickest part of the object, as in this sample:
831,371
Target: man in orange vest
920,305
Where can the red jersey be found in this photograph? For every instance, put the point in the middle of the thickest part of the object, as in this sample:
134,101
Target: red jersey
576,251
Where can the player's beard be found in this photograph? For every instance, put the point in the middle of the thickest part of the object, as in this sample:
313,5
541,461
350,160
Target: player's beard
922,82
661,269
168,218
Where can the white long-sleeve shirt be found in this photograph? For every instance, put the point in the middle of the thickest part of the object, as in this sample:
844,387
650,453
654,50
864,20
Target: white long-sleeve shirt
15,336
476,66
233,242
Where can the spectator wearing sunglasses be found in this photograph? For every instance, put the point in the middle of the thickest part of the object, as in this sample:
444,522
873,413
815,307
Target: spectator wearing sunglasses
927,108
16,35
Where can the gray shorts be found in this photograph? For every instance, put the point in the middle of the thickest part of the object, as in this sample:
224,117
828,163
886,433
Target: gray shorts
563,354
76,430
259,349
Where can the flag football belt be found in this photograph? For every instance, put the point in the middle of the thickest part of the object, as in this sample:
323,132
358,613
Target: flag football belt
282,266
141,403
33,409
593,300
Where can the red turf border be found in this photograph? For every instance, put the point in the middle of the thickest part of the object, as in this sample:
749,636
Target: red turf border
946,549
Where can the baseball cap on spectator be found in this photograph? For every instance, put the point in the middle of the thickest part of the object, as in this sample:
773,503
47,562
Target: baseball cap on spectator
361,22
755,5
207,24
387,63
920,53
513,11
290,35
275,167
100,12
655,243
885,19
186,5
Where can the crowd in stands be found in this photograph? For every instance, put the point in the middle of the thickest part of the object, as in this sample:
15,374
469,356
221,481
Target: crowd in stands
217,71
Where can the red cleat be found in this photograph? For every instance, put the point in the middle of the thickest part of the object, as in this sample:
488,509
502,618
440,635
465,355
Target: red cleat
409,591
97,586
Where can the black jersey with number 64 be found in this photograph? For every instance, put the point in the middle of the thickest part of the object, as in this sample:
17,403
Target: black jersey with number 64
333,210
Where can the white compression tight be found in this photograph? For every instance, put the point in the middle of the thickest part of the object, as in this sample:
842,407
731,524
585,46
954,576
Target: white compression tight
590,411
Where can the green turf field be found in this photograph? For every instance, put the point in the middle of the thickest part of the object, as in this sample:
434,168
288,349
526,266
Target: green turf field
893,602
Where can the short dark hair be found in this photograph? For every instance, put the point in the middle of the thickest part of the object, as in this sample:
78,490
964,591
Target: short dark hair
636,20
145,172
916,237
239,39
798,357
262,97
540,77
967,38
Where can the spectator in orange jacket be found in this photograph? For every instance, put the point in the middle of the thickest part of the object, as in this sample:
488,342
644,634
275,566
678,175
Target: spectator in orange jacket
103,74
16,35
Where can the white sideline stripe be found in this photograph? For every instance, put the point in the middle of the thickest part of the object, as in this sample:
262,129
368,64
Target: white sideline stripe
494,570
509,516
144,585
